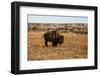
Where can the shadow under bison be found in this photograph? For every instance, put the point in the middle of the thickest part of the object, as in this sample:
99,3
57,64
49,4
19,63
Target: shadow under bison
54,37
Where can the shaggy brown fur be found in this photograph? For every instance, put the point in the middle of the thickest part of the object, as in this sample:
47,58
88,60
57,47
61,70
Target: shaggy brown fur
54,37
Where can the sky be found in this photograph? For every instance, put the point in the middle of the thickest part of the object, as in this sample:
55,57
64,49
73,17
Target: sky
56,19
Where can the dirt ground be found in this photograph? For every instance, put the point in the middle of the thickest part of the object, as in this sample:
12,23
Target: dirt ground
74,47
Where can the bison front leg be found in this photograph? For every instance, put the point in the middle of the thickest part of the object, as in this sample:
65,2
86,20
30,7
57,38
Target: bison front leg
54,43
46,43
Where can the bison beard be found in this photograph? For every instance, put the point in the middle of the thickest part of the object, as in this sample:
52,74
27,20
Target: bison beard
54,37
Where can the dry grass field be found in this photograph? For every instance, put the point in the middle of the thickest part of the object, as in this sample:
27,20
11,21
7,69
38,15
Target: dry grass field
74,47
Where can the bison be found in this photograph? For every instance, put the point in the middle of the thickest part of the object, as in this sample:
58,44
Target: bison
54,37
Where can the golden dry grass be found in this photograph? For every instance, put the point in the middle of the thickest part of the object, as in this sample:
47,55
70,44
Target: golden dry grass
74,47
